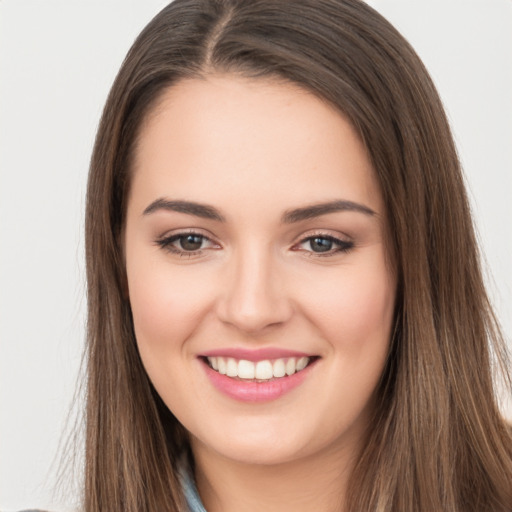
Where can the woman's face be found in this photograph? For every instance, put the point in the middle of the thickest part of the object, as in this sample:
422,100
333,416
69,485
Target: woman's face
255,250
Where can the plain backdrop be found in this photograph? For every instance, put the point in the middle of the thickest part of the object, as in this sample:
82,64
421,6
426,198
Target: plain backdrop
58,60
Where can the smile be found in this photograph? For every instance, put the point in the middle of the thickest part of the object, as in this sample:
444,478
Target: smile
258,370
257,376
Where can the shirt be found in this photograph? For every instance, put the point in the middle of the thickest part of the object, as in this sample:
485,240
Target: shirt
189,487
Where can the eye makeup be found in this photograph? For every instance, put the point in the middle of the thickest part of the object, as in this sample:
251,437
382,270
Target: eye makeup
192,243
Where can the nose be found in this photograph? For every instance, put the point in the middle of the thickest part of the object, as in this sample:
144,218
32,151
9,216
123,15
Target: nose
254,297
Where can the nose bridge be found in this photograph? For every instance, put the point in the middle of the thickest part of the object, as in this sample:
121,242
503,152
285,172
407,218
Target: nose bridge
254,297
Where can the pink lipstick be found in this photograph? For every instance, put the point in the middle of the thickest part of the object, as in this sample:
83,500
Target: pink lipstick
256,375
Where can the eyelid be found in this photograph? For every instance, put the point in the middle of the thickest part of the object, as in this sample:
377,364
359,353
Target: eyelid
343,242
325,233
188,231
165,241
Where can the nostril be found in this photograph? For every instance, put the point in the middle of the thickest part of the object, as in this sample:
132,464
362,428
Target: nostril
253,314
253,298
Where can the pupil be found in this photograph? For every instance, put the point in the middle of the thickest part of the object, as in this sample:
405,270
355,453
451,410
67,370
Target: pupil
321,244
191,242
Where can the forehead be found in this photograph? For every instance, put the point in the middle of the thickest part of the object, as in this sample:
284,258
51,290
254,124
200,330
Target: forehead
225,136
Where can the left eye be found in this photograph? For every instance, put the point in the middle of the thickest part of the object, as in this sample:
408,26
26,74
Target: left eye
185,243
325,244
190,242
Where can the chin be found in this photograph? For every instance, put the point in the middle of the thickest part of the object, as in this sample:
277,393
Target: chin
254,454
259,444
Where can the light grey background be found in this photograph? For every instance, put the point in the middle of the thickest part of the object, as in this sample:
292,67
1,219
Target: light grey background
58,60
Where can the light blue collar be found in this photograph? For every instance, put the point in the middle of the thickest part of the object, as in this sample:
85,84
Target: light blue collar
189,486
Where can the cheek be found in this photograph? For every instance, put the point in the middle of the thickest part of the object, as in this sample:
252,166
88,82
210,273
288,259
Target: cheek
355,308
166,306
356,316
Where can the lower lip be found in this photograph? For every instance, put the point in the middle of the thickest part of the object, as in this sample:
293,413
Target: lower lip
251,391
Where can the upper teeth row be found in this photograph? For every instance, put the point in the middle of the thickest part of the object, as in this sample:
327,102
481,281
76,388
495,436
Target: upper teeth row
260,370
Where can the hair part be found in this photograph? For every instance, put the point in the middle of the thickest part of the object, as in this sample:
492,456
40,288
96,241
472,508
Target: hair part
437,441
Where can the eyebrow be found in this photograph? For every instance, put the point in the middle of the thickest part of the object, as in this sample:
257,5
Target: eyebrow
189,207
289,216
315,210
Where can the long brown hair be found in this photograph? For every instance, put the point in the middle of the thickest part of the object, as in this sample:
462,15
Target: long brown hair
437,440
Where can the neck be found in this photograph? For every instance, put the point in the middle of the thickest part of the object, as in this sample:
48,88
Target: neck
310,483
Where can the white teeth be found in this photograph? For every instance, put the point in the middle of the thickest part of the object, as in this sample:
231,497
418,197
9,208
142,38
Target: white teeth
302,363
246,369
231,368
279,368
222,365
261,370
290,366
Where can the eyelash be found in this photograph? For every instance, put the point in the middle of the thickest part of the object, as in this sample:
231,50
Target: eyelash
166,243
344,246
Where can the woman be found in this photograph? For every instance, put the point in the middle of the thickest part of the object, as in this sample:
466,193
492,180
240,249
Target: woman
285,303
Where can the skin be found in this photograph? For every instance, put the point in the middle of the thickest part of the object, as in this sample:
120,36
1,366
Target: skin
254,149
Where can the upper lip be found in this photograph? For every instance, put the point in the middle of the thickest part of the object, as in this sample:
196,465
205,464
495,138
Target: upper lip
254,354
